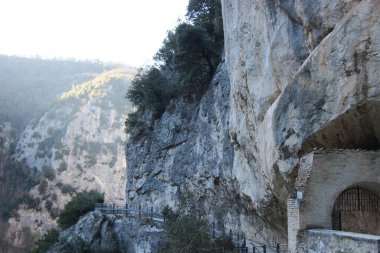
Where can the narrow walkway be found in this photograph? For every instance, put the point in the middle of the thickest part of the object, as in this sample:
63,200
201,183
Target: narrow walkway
140,213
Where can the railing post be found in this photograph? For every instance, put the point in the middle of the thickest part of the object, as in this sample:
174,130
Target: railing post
151,212
113,208
278,248
254,248
126,210
264,248
244,246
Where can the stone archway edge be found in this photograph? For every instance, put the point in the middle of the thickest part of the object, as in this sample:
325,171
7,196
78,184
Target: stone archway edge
323,175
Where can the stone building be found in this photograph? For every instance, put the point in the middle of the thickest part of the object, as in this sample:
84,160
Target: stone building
336,190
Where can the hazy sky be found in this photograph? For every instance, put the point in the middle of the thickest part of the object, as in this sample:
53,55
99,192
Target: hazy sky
128,31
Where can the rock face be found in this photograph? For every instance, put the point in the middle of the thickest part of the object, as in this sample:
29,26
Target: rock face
102,233
303,75
297,75
191,149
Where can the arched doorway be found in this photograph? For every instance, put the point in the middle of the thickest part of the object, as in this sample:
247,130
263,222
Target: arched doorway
357,210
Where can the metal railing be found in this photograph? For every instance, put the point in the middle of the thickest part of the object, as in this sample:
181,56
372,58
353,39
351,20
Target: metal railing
139,212
263,248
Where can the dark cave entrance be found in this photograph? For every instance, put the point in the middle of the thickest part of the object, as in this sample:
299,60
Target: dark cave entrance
356,128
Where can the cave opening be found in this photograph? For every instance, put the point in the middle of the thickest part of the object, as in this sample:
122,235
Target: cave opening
356,128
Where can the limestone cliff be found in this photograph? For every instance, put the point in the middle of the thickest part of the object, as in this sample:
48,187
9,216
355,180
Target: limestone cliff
77,144
303,75
297,75
191,149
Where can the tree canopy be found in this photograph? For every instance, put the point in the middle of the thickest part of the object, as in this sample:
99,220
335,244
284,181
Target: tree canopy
190,51
207,14
148,89
186,61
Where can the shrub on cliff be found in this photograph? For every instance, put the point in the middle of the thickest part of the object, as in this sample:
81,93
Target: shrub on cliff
81,204
188,231
48,172
46,241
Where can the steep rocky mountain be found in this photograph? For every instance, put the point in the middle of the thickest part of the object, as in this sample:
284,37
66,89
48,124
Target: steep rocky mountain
297,75
191,149
73,142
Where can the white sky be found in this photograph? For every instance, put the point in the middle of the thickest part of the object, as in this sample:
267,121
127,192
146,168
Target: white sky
127,31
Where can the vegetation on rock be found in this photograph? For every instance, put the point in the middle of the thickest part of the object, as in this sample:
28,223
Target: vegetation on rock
46,241
79,205
14,183
66,188
48,172
188,231
184,65
97,87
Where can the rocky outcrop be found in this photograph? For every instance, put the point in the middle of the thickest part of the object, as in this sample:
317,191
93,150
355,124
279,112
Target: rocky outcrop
96,232
301,74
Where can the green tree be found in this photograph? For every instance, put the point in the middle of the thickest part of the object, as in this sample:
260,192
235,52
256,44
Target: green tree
81,204
148,90
207,14
48,172
191,53
46,241
184,64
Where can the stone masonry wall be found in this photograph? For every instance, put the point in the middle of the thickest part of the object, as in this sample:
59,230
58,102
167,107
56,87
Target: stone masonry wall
329,241
326,174
332,173
293,223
